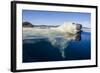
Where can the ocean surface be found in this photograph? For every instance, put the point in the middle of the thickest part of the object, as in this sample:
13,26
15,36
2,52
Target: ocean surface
39,49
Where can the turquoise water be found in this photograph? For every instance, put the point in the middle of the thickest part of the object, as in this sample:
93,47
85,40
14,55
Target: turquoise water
58,49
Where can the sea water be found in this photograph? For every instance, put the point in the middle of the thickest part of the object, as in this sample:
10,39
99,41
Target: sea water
42,49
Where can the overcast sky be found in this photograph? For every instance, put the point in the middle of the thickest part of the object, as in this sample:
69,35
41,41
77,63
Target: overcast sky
56,18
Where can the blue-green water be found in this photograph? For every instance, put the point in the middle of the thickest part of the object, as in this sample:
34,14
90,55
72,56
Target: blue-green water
41,50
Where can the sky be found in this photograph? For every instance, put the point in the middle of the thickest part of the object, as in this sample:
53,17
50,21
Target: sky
56,18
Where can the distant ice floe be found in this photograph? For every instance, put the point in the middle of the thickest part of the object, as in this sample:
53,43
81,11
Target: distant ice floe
85,29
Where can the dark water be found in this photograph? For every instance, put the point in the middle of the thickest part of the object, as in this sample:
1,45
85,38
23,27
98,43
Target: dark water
42,51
